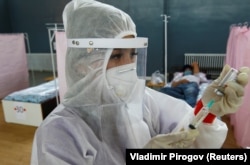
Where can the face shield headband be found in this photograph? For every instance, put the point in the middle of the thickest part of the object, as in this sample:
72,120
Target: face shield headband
138,42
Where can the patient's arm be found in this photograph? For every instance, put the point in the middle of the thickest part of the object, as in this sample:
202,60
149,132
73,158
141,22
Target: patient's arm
195,67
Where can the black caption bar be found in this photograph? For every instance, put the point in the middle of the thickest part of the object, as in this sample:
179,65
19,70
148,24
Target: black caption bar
188,156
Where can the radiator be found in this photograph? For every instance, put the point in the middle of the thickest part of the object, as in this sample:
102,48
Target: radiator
211,64
40,61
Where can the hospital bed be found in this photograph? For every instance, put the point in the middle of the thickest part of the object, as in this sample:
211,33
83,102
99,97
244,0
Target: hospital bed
210,66
205,81
30,106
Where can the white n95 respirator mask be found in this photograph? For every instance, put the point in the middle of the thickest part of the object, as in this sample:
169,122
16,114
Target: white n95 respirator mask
122,80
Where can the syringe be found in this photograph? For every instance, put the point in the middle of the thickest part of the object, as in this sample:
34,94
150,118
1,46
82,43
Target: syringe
230,76
200,116
204,111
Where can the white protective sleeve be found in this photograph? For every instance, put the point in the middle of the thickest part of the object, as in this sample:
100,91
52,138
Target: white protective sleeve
165,112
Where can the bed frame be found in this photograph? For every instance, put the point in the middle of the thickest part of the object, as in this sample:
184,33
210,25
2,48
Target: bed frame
30,106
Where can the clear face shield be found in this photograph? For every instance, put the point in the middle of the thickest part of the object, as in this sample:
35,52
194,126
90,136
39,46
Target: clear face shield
116,70
122,62
95,47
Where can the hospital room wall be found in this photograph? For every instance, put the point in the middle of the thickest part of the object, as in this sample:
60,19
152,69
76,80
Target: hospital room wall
201,26
4,17
30,16
194,26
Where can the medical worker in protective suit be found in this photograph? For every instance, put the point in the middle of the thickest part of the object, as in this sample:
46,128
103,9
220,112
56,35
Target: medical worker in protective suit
107,107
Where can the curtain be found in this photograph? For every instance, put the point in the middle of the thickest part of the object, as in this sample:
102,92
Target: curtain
61,48
238,55
14,74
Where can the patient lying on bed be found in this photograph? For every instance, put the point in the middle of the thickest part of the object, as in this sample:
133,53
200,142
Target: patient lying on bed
185,84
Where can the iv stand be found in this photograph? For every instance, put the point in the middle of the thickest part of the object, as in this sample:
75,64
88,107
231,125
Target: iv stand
51,32
165,20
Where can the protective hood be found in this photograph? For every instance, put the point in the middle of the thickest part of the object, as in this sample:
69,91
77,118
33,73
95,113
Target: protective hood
93,31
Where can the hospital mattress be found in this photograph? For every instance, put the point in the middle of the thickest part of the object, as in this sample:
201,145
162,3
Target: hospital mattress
36,94
32,105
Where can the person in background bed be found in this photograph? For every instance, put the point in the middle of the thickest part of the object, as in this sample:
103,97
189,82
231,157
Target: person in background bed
185,85
107,107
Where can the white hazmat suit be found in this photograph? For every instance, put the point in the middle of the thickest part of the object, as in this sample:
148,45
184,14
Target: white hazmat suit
105,111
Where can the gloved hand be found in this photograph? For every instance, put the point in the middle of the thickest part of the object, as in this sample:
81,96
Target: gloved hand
233,92
181,139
